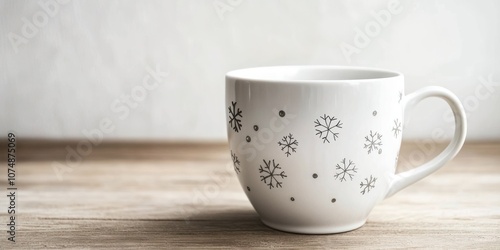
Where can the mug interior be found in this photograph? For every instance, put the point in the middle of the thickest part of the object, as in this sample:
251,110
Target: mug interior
311,73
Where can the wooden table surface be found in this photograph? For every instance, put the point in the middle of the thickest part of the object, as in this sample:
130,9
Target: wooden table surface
129,196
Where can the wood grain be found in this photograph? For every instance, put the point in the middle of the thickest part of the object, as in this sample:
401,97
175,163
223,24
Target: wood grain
129,196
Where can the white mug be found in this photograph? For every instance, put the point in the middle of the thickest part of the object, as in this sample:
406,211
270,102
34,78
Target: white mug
315,148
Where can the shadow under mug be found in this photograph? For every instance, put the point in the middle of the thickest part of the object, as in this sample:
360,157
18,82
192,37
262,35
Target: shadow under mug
315,148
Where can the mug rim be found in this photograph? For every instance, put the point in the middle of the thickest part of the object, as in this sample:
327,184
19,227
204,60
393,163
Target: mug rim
258,74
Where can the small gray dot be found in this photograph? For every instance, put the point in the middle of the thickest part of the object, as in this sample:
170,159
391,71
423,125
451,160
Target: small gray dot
248,138
374,112
248,188
292,199
334,200
255,127
315,175
380,151
282,113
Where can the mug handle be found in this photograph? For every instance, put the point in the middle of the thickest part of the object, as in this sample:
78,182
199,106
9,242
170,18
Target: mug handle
404,179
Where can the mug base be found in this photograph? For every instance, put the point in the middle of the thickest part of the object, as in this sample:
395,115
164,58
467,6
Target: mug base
314,229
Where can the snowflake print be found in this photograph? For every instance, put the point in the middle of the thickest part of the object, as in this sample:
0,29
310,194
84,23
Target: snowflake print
373,142
289,143
400,96
269,177
236,162
396,128
367,185
345,170
325,127
233,117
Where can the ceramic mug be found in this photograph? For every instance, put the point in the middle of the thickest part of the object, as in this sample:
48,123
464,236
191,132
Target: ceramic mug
315,148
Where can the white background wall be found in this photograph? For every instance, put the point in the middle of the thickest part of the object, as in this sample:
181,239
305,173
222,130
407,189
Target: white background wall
66,69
